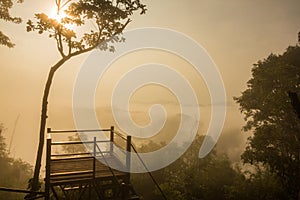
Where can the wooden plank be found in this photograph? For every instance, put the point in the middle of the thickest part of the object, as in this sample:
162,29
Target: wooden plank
64,171
73,181
78,142
19,190
78,158
85,173
78,131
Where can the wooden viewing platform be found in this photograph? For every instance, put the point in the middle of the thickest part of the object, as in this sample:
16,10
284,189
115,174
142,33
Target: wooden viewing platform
87,175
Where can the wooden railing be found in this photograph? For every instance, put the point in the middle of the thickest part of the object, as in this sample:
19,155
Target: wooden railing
113,140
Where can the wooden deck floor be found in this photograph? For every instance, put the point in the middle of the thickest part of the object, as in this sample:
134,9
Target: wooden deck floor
74,170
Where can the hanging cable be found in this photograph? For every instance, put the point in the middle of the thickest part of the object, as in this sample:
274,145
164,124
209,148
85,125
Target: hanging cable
150,174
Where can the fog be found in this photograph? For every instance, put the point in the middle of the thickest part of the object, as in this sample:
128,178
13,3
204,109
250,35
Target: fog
235,33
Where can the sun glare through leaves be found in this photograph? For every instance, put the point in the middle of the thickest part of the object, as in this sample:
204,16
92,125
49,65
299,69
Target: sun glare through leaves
61,17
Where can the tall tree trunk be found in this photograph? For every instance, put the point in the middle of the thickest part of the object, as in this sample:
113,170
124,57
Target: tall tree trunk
43,120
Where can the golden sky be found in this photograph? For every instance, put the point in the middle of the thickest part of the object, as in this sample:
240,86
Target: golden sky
236,33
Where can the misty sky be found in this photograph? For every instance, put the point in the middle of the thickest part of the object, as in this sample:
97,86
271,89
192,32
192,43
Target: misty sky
236,33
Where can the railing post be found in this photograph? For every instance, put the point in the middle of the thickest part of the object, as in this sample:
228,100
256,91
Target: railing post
128,156
48,160
94,160
111,140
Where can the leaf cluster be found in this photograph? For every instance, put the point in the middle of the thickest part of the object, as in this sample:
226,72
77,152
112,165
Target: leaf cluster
14,173
259,184
5,6
96,23
189,177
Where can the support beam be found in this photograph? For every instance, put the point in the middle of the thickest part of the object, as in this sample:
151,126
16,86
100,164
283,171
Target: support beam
128,157
48,160
94,160
112,129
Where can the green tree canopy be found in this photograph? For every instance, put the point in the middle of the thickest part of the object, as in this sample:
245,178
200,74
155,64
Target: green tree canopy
270,115
5,6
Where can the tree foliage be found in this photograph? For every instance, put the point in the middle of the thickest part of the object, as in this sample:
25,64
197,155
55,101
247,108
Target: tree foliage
270,115
5,6
100,20
14,173
74,148
193,178
189,177
256,184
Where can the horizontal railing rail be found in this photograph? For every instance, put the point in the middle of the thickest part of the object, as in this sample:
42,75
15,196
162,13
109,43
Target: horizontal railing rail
20,190
116,139
78,142
76,131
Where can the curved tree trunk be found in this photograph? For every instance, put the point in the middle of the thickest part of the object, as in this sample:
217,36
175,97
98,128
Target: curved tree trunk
35,181
43,120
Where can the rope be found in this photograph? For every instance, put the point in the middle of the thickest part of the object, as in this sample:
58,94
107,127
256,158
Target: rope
150,174
110,169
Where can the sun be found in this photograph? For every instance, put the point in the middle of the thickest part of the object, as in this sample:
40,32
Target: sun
58,16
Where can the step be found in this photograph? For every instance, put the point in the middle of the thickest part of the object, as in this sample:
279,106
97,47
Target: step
135,197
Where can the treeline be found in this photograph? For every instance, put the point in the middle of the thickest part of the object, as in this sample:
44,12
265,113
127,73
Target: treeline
210,178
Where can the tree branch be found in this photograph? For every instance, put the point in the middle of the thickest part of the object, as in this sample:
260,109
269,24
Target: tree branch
76,53
98,40
70,47
60,43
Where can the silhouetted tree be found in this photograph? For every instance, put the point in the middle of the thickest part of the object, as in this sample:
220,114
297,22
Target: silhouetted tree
109,17
192,178
189,177
13,172
5,6
271,116
256,184
75,148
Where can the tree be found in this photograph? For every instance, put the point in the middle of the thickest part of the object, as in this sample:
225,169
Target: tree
5,6
256,184
13,172
269,113
76,148
192,178
109,18
189,177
